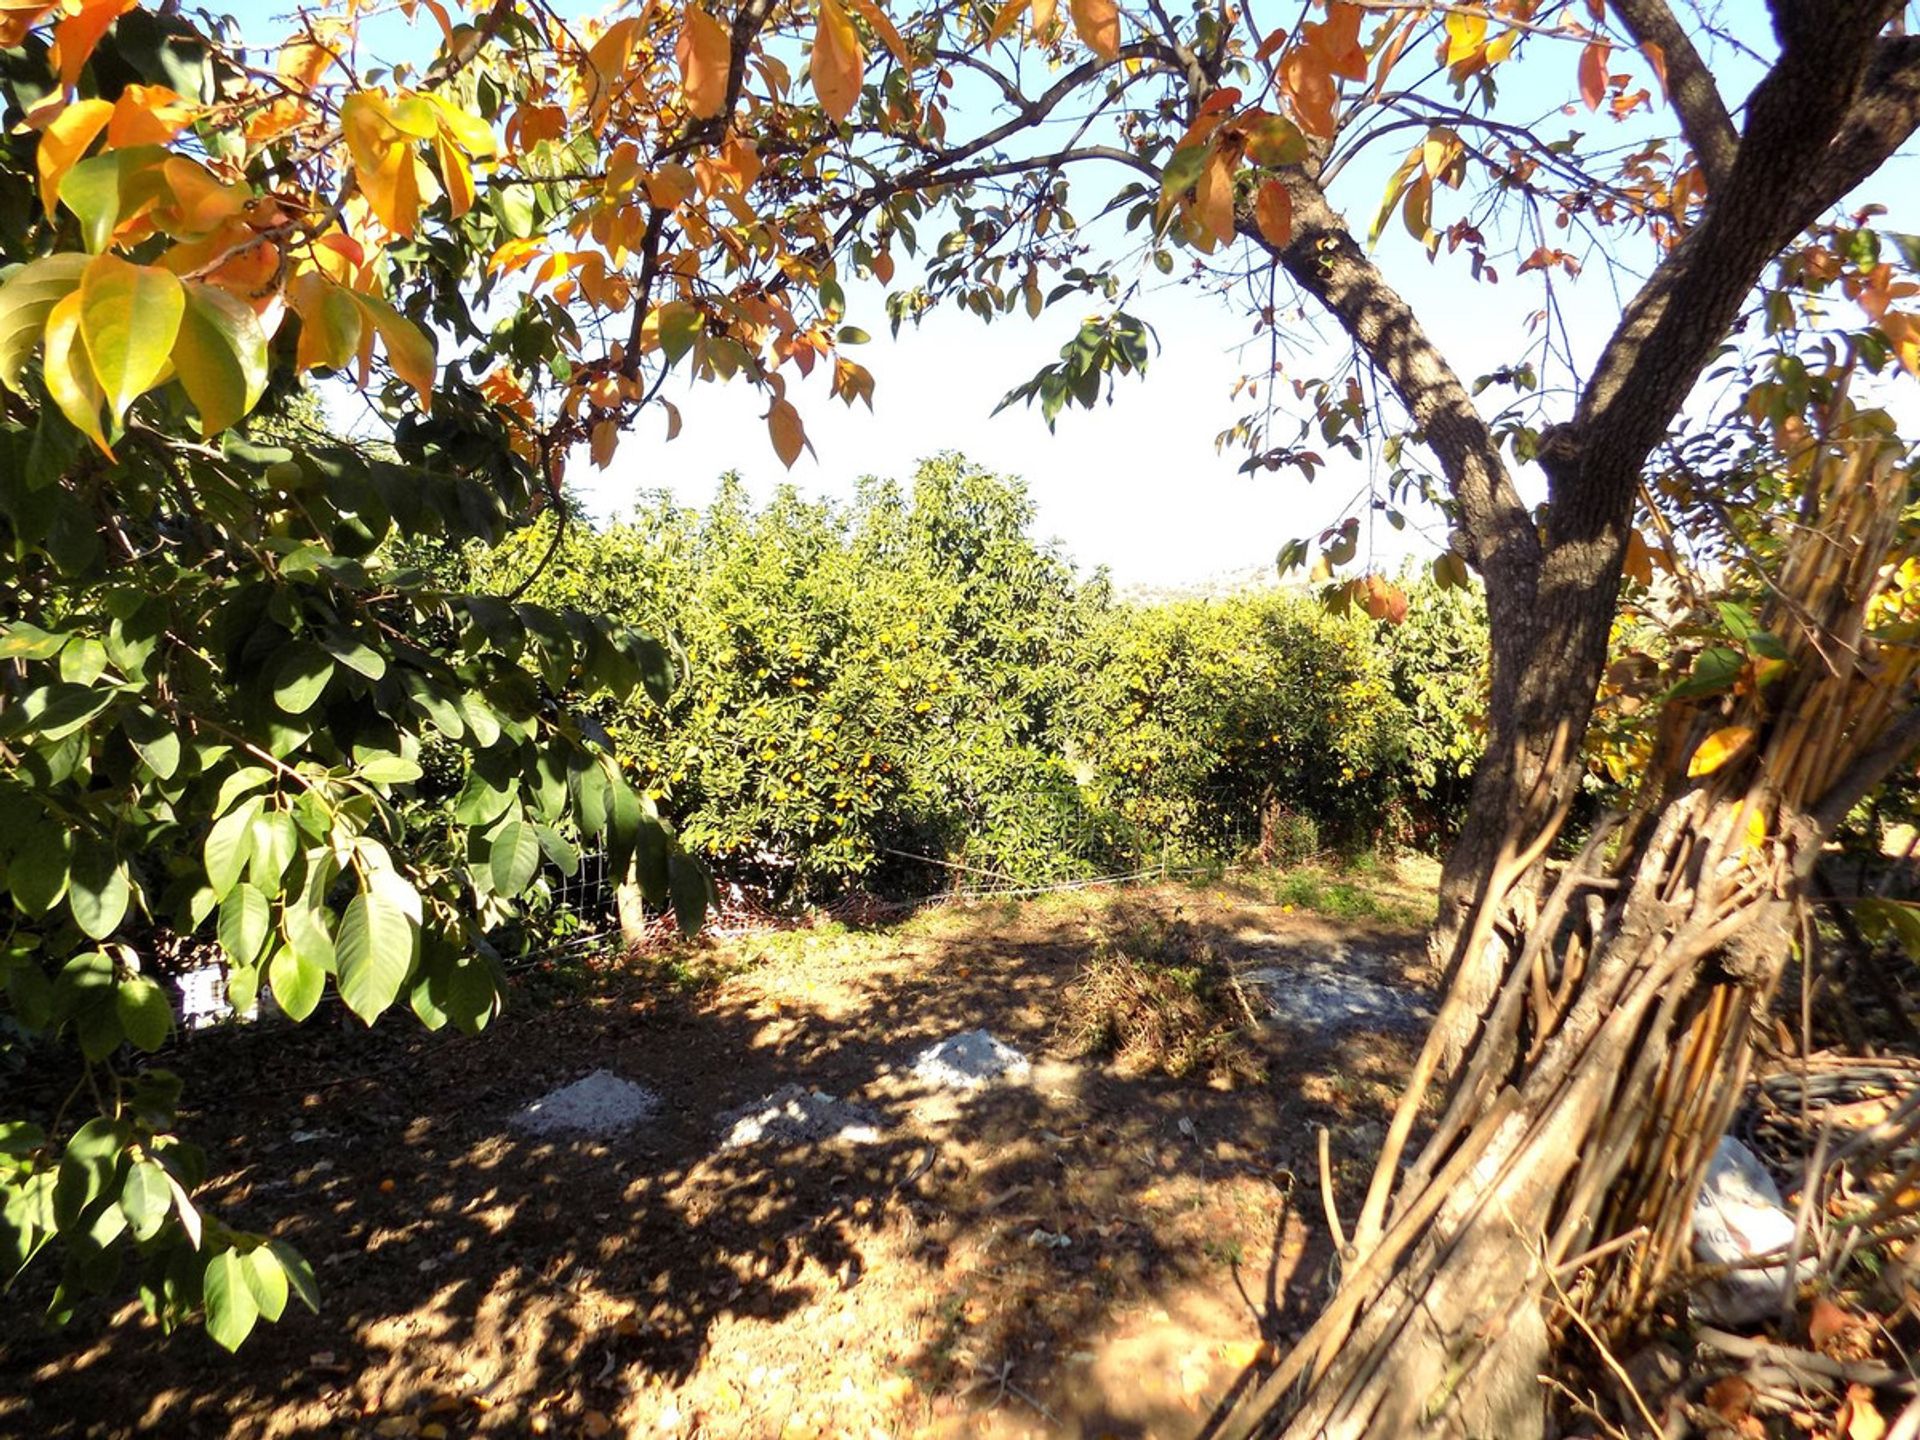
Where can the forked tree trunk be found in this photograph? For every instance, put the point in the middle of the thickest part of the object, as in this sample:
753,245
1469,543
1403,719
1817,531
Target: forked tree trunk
1615,1046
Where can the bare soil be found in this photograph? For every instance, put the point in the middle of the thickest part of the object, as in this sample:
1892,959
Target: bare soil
1081,1255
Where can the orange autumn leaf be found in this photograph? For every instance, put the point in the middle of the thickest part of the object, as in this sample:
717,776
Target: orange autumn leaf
1311,90
836,64
789,435
1097,23
1213,197
884,28
606,435
704,51
75,38
147,115
1593,73
1003,22
19,16
1273,211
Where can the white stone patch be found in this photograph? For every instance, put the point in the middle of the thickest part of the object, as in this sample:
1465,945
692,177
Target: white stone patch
1336,988
793,1115
598,1104
968,1061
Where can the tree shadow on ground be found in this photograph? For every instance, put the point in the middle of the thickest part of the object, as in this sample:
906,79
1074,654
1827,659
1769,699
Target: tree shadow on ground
1039,1256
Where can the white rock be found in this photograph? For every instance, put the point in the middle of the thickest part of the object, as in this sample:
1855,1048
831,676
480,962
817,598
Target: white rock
793,1115
598,1104
968,1061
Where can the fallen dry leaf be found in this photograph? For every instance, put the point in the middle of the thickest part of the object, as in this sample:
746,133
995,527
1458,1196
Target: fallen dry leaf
1859,1416
596,1425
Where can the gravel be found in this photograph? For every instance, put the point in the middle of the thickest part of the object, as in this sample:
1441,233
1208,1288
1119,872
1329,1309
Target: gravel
601,1103
794,1115
968,1061
1336,988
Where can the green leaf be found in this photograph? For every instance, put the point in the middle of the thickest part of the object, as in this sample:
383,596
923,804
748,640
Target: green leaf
1184,168
231,1308
514,858
154,740
384,769
56,711
230,845
144,1012
145,1198
26,298
38,871
300,677
85,1168
690,890
354,653
275,841
267,1281
129,317
245,919
374,951
482,801
297,983
220,356
1714,669
98,890
298,1272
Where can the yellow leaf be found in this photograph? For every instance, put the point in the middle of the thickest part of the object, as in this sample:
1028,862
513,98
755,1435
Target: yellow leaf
704,51
64,141
409,348
1097,23
129,316
467,130
884,28
1213,197
1466,33
1043,17
837,63
1273,210
27,298
383,160
330,322
1638,562
789,435
1417,211
454,174
607,59
606,435
220,356
69,381
1718,748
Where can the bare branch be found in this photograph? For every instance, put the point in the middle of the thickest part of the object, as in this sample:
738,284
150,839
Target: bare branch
1323,257
1696,99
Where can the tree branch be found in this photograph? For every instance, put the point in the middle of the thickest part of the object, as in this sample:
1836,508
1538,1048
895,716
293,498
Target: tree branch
1696,99
1817,93
1324,259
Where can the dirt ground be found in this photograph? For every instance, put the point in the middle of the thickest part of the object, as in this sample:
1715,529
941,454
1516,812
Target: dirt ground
1082,1255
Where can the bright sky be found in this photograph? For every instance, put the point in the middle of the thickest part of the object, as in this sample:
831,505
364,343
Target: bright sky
1138,486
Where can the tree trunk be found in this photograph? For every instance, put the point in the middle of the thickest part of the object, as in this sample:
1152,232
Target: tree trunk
631,908
1614,1046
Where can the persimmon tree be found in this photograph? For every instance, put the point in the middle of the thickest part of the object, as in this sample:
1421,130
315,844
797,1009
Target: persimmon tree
580,210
